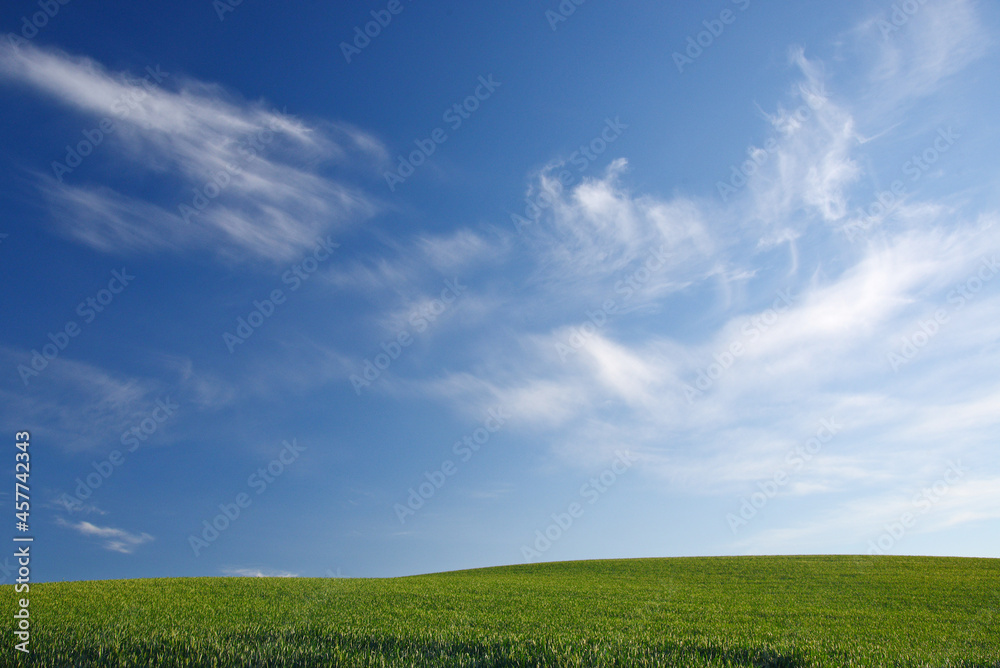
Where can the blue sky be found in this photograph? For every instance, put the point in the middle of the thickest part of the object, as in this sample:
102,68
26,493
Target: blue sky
497,284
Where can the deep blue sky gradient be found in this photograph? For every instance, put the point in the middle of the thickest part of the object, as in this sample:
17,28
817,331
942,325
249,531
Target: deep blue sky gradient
871,96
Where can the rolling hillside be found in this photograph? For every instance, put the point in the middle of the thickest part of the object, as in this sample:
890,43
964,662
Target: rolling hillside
721,611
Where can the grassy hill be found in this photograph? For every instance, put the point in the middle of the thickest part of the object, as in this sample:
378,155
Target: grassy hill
725,611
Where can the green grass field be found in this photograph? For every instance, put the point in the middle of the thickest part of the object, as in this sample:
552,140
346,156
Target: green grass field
727,611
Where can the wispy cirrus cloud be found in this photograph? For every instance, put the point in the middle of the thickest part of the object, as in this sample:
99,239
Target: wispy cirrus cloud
914,52
83,407
205,169
597,233
112,539
971,499
633,380
76,404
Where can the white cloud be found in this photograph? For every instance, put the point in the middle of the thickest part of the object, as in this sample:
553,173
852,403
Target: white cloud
824,356
426,278
914,58
596,235
77,405
858,520
81,406
115,540
272,200
257,573
809,166
454,252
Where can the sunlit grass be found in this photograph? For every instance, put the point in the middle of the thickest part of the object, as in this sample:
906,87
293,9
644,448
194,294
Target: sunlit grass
734,611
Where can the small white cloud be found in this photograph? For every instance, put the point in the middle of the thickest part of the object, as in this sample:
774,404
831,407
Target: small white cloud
116,540
239,572
455,252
